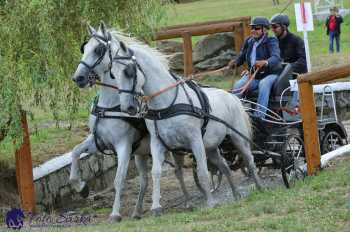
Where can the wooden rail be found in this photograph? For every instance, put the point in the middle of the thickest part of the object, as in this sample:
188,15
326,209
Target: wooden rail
239,26
308,111
197,30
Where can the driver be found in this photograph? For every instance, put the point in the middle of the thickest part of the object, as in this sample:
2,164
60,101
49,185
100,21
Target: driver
262,52
291,46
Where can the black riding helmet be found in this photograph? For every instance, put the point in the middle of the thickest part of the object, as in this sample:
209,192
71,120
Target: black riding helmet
280,19
260,21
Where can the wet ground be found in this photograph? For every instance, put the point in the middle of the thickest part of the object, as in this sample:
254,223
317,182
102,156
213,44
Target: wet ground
172,198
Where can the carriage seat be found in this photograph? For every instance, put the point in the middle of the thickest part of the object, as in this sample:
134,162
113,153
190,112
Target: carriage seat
280,84
283,79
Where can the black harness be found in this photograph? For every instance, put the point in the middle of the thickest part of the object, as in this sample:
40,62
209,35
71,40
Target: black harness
182,109
102,113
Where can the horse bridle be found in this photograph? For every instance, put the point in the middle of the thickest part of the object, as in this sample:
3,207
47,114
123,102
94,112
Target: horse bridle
130,70
100,50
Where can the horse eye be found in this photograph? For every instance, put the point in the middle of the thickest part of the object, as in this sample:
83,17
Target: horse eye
130,70
82,47
100,50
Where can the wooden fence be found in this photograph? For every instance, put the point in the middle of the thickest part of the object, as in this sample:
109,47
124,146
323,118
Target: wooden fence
308,110
239,26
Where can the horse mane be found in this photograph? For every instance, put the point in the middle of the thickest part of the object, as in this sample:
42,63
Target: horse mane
132,41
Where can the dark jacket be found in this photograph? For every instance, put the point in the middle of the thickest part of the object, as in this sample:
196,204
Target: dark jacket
338,21
268,50
293,51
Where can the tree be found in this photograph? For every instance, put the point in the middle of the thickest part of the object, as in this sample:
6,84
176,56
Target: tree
39,50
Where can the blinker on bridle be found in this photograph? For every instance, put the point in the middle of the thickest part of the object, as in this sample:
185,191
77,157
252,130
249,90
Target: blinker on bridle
100,51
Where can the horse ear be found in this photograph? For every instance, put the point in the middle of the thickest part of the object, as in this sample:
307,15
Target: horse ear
90,29
103,28
109,36
123,46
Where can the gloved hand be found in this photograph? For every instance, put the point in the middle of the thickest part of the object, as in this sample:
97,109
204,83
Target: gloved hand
261,63
244,72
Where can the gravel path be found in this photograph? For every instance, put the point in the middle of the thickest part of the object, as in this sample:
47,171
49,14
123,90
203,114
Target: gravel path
172,198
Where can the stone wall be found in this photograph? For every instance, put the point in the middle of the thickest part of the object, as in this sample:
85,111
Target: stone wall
51,178
210,53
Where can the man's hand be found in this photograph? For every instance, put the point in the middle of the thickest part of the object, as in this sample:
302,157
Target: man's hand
261,63
244,73
232,64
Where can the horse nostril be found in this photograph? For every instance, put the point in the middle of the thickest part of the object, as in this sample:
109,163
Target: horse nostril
78,79
131,110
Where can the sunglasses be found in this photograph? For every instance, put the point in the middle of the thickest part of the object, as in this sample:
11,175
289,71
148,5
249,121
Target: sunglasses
255,28
275,26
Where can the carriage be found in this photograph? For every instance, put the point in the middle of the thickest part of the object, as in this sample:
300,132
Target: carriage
278,138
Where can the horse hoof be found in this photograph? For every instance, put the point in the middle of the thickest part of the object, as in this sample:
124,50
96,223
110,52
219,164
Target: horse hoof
157,212
115,218
136,216
84,193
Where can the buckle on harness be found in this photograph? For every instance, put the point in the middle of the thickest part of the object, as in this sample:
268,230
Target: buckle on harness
101,113
199,112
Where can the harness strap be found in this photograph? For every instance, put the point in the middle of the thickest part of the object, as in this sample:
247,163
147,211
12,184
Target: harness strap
148,98
175,110
115,113
159,137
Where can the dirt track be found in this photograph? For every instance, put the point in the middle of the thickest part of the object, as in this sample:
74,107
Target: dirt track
172,197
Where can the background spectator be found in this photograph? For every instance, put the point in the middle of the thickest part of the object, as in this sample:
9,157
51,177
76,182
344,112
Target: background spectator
333,28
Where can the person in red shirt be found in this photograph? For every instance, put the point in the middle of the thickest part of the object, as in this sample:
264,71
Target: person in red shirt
333,28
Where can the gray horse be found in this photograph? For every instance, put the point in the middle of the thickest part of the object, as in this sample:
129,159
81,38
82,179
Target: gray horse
143,71
116,133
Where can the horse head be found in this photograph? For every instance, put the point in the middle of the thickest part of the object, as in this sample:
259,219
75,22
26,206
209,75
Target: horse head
96,57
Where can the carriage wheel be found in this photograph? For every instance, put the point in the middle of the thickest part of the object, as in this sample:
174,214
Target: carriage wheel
293,160
331,141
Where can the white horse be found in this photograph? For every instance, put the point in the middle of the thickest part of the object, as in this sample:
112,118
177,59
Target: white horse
116,133
141,70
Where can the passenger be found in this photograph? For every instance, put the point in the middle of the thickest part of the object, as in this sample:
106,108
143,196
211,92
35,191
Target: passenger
259,51
292,47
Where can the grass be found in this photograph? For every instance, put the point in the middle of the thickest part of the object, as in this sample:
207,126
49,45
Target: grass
209,10
48,139
319,203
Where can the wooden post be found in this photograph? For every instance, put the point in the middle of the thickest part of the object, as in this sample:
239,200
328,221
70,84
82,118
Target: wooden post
238,37
24,170
309,117
246,28
187,48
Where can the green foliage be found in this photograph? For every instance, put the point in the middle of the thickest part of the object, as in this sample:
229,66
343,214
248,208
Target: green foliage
39,50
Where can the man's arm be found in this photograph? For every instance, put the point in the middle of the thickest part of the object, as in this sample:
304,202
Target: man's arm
275,54
300,65
327,22
242,54
340,19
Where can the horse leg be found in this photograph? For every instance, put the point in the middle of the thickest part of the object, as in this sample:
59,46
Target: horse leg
88,145
202,170
123,151
215,158
179,161
243,147
141,165
158,152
